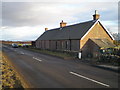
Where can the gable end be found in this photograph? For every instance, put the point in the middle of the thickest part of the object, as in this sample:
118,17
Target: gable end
103,28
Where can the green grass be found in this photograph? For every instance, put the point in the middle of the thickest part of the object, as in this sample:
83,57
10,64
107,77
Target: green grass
61,54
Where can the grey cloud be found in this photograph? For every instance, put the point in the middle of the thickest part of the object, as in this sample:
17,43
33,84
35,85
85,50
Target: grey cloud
49,14
12,13
32,14
27,14
107,10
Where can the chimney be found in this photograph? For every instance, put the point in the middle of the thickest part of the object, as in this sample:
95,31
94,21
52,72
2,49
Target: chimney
46,29
63,24
96,15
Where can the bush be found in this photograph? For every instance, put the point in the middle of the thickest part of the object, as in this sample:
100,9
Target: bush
110,59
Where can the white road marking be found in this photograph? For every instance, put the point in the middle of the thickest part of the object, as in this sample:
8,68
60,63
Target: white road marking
22,53
37,59
90,79
28,54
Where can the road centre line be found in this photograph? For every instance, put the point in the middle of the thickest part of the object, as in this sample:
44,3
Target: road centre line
37,59
28,54
90,79
22,53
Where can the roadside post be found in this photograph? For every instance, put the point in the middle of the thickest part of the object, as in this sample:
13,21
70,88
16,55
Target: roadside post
79,55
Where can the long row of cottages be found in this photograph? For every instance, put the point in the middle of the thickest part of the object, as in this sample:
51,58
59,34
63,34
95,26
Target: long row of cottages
86,37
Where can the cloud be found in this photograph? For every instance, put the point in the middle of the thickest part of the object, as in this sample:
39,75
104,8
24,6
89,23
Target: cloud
21,20
61,1
31,14
22,33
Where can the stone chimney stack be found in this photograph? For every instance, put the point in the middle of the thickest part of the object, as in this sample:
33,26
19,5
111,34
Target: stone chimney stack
96,15
46,29
63,24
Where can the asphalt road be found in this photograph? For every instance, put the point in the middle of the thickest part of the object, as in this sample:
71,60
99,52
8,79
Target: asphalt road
44,71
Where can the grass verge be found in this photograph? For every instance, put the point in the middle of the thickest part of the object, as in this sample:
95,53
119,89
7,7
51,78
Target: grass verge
60,54
9,78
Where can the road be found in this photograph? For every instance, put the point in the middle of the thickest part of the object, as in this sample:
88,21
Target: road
44,71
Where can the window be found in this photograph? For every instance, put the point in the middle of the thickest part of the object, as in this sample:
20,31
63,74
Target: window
56,44
62,44
66,44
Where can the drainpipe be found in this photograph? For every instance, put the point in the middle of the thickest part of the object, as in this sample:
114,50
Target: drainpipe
69,39
70,44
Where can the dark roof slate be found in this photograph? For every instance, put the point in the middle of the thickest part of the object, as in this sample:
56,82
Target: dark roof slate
76,31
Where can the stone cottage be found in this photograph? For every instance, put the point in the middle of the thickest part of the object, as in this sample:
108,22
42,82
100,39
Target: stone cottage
85,37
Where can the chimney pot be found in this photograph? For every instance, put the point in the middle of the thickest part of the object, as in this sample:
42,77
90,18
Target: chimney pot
46,29
63,24
96,15
96,12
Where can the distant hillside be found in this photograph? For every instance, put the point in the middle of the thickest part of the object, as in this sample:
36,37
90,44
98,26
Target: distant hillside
17,42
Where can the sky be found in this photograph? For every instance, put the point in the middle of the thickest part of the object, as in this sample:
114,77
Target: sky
26,20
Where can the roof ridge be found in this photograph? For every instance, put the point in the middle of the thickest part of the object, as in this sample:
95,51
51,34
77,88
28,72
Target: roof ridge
72,25
81,22
75,31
